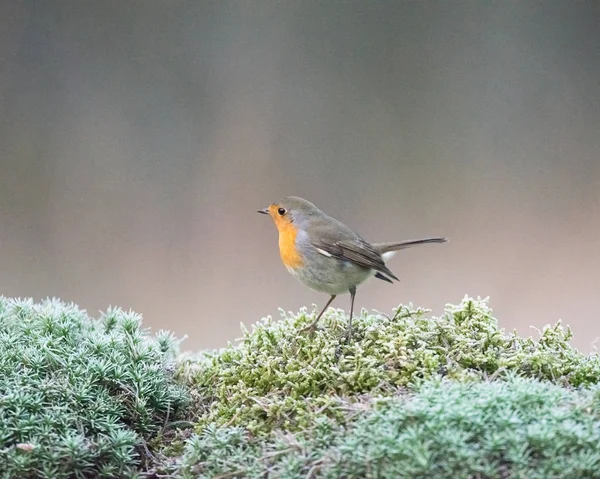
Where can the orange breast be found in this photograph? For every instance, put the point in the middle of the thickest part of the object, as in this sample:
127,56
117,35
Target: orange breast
287,246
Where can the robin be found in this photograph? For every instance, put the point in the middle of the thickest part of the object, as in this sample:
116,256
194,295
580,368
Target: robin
326,255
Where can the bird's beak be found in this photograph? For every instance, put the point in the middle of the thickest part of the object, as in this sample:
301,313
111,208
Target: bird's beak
264,212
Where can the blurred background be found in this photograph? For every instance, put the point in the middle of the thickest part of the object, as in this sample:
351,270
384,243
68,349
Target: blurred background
138,139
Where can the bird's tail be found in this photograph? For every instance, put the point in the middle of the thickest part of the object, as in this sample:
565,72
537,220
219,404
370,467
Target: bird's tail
389,247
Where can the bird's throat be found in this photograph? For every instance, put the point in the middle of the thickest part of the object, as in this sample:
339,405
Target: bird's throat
288,251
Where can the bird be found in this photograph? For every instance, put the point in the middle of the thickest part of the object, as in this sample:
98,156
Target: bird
326,255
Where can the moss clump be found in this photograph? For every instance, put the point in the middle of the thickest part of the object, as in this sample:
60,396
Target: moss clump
279,378
518,428
78,396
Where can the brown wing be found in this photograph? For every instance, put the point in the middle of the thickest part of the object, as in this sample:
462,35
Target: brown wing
355,250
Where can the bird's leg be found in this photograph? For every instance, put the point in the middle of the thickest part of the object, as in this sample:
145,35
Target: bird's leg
313,326
349,330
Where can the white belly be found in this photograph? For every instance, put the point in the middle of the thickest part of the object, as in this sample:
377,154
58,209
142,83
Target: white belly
333,280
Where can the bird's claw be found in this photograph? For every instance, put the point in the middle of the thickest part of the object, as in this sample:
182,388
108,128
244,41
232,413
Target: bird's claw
311,329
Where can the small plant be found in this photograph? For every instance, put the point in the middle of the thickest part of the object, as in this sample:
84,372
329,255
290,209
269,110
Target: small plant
79,397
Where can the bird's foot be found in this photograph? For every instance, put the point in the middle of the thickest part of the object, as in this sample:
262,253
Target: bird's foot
310,329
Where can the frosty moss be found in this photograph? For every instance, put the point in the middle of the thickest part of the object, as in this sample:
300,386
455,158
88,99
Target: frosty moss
79,396
517,427
278,377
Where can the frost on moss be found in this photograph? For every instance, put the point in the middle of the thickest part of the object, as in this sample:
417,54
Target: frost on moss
79,396
279,378
518,427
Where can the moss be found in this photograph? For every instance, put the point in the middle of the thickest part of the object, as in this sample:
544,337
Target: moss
411,396
280,378
518,427
175,448
79,397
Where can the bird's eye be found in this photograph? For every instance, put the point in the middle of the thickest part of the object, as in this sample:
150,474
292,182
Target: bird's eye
281,211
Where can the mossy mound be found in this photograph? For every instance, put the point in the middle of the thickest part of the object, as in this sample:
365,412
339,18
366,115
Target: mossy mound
410,396
280,378
516,428
79,396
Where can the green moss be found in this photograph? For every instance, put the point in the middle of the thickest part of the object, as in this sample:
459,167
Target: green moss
175,448
411,396
278,377
78,396
518,428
